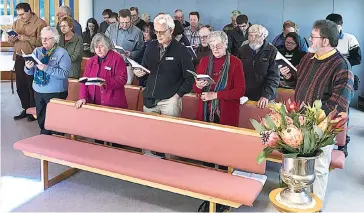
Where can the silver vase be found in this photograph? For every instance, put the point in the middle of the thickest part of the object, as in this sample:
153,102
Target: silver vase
299,174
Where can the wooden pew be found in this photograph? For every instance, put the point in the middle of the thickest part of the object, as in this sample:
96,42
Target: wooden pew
180,137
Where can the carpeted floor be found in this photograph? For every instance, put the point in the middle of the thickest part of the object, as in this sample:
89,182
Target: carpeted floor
86,192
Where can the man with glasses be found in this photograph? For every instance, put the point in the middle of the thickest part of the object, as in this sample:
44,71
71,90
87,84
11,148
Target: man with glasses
66,11
178,15
203,49
136,20
239,34
168,61
105,24
324,74
260,69
127,36
28,27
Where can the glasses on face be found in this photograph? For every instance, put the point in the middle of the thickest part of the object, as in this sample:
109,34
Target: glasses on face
312,37
46,39
161,32
216,47
203,37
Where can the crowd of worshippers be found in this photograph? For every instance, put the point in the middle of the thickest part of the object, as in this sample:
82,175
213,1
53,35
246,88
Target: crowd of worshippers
239,59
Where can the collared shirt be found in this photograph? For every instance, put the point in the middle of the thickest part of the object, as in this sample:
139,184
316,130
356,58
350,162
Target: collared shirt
30,29
326,55
193,37
130,39
162,50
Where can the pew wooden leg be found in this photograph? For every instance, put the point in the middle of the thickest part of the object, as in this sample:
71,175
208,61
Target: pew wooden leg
230,170
212,207
73,137
46,182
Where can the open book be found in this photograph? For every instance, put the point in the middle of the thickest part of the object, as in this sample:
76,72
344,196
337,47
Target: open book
283,62
120,49
91,81
30,57
12,33
243,100
136,65
202,77
258,177
192,52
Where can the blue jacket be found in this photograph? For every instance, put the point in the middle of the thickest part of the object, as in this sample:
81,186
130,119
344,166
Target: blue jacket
58,69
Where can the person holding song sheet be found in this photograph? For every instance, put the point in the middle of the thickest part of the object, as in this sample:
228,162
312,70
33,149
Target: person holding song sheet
293,54
50,75
26,38
107,65
220,102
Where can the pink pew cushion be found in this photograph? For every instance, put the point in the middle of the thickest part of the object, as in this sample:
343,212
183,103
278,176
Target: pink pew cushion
31,111
178,175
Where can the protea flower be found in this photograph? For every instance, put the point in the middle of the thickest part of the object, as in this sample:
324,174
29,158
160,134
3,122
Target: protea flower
292,136
289,121
269,138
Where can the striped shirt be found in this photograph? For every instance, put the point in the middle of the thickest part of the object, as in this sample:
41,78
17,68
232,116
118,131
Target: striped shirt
327,78
193,37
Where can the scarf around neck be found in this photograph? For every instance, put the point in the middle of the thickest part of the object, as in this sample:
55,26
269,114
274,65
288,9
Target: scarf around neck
41,78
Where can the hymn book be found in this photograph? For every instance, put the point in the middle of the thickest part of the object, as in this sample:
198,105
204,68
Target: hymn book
202,77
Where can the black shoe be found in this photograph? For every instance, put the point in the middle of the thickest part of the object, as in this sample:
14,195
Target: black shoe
22,115
344,149
205,207
31,118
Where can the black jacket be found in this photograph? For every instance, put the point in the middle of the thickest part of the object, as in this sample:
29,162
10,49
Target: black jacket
103,27
168,74
140,24
260,71
236,39
200,53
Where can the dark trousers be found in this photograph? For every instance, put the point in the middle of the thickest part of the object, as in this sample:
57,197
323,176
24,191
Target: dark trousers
24,84
41,101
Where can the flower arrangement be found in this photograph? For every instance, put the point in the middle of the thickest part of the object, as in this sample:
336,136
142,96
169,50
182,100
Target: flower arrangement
298,131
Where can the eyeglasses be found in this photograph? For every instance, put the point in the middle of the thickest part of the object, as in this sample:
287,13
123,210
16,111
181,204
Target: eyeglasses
217,46
203,37
311,37
46,39
161,32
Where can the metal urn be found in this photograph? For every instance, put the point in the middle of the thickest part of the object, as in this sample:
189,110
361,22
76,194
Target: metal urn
299,174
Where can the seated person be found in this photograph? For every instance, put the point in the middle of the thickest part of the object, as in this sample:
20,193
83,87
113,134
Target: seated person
203,48
179,35
239,34
91,29
260,69
288,27
50,77
220,102
73,44
228,28
293,54
109,65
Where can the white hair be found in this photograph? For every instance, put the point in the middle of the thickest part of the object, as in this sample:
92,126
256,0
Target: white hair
66,10
259,29
103,39
144,16
54,32
165,19
219,36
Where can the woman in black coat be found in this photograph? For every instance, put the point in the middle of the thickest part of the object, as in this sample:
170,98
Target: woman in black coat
91,29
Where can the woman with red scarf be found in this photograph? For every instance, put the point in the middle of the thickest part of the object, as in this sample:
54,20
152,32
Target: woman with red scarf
220,102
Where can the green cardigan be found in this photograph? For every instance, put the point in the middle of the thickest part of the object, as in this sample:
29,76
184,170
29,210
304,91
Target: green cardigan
74,48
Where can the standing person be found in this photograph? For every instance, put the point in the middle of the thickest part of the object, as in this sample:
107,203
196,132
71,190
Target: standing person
50,77
324,75
349,47
28,26
66,11
260,68
219,103
135,19
178,34
239,34
106,14
229,27
203,49
168,61
178,15
191,32
91,29
73,44
127,36
288,27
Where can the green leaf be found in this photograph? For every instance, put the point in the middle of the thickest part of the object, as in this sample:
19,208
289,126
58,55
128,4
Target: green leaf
270,122
318,131
286,147
258,127
317,104
283,116
290,155
306,141
264,154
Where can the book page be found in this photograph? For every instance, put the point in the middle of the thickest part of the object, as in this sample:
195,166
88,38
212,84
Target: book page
134,64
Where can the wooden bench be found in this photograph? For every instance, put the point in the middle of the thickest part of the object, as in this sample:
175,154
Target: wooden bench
222,145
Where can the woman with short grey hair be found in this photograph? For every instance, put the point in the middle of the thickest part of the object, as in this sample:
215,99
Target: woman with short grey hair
50,75
220,102
108,65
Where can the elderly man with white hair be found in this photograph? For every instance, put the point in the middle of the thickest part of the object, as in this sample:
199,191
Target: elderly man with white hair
51,75
260,69
66,11
168,61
